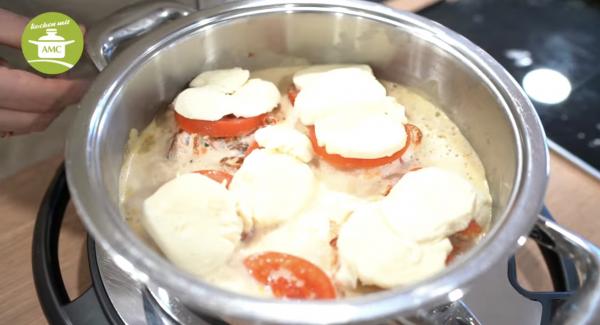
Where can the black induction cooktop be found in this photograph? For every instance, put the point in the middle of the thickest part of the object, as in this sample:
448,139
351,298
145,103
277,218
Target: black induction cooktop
552,48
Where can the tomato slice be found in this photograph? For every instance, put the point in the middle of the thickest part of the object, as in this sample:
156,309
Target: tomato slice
342,162
452,255
216,175
471,232
413,133
253,145
292,94
463,239
290,276
226,127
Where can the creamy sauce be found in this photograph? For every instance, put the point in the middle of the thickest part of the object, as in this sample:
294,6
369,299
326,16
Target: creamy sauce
159,153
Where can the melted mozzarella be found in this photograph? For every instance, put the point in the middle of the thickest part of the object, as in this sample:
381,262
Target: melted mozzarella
306,236
203,103
193,221
311,75
272,187
215,94
309,234
350,111
374,131
283,139
372,252
336,90
430,204
226,80
335,206
254,98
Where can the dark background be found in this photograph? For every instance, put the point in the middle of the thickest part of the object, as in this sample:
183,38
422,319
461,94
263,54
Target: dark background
560,35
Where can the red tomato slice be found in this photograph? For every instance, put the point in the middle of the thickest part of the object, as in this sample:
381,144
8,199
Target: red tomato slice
226,127
471,232
290,276
354,163
253,145
292,94
216,175
413,133
462,239
452,255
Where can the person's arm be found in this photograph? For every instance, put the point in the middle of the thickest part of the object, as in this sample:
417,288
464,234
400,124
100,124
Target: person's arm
29,102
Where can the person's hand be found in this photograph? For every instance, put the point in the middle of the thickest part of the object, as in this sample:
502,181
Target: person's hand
29,102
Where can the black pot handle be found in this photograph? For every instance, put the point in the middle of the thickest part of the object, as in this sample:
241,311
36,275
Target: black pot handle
53,297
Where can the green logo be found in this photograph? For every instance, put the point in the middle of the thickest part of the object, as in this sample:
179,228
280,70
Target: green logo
52,43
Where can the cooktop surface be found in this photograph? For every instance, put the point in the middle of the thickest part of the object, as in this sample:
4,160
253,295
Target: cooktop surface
552,48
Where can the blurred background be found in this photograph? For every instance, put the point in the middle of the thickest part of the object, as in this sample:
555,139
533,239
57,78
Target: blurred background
552,48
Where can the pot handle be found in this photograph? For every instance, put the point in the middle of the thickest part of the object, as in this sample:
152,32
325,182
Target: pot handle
455,313
56,304
132,21
584,306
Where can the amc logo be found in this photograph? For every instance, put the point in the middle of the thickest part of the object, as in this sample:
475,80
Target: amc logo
51,46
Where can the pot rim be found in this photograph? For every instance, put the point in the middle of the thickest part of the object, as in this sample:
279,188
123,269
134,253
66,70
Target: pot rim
144,264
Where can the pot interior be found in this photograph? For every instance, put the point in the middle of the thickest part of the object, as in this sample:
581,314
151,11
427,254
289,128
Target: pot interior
440,65
401,53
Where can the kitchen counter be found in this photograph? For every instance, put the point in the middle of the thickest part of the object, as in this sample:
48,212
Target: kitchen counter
572,197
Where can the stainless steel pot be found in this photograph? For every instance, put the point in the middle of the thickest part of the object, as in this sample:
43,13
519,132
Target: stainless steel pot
473,89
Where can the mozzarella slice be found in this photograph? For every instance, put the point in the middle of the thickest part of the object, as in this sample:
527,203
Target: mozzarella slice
336,90
210,104
375,131
309,234
334,206
203,103
226,80
272,187
429,204
283,139
310,75
306,236
193,221
370,251
254,98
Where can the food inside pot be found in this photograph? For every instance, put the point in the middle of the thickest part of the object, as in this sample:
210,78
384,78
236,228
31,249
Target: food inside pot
314,182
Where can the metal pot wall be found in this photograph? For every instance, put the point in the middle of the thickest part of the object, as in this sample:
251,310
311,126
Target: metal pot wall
474,90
